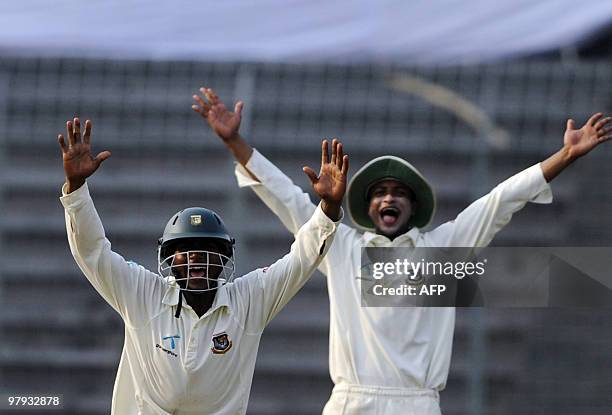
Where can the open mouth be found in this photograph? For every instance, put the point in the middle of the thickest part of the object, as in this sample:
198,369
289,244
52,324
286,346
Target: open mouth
389,215
197,272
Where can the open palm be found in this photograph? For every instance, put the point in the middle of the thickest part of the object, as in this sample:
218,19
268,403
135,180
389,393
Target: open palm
594,132
79,163
223,122
330,184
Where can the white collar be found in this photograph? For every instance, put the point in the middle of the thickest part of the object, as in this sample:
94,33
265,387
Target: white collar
173,291
408,238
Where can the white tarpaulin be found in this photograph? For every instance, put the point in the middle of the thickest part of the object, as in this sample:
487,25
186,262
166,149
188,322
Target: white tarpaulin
404,31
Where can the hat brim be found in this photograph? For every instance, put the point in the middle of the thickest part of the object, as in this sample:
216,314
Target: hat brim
395,168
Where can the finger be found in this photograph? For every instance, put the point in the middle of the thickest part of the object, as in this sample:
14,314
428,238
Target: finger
213,112
203,91
345,166
312,176
339,155
70,133
571,125
604,138
198,99
594,118
203,106
87,135
77,130
604,131
199,110
602,122
62,143
213,94
210,95
324,155
101,157
238,107
334,151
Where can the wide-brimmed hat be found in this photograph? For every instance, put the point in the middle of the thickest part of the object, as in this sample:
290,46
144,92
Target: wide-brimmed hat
389,168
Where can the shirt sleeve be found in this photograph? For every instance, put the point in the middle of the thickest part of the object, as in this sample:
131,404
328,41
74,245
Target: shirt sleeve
478,223
129,288
271,288
286,200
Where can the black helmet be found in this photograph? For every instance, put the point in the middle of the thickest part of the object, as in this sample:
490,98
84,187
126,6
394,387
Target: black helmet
195,222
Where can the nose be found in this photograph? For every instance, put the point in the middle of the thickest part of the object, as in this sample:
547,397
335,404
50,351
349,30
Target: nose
388,197
196,257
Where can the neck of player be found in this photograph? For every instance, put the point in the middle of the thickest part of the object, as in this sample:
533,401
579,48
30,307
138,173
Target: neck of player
200,302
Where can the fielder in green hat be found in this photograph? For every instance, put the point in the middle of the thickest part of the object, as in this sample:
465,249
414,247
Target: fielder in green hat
389,196
390,360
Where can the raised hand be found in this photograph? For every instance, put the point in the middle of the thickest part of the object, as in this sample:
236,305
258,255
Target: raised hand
330,184
579,142
79,164
222,121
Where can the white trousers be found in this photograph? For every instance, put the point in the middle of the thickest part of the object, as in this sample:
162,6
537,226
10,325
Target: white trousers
369,400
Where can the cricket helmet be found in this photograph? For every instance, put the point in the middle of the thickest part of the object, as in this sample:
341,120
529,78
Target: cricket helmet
193,225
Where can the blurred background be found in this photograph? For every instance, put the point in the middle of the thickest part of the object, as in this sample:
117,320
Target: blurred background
469,91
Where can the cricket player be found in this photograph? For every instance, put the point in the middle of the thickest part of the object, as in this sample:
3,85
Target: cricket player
386,360
201,360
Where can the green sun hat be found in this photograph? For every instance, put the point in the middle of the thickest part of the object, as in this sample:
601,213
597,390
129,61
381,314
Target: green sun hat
389,168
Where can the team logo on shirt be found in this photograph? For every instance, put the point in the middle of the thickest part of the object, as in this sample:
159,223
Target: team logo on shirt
221,343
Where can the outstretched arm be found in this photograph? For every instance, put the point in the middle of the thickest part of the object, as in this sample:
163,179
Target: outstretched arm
224,123
478,223
123,285
577,143
286,200
275,286
330,184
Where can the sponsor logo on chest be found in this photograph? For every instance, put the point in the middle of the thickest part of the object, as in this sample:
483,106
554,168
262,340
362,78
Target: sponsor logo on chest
169,341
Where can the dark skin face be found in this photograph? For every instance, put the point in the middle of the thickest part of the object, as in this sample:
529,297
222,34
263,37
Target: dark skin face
392,204
199,301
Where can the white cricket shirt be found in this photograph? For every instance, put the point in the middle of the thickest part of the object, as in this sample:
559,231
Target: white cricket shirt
189,365
395,347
